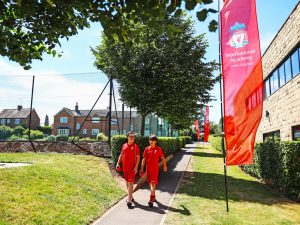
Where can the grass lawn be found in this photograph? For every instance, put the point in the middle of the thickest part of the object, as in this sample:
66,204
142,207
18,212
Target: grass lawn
202,195
56,189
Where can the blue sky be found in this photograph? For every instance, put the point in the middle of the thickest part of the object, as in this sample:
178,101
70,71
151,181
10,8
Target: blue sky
54,92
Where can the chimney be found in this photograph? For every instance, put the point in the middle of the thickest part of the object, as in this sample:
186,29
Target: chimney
76,108
19,107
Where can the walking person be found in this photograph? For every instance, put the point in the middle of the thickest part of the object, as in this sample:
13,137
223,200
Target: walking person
130,159
151,157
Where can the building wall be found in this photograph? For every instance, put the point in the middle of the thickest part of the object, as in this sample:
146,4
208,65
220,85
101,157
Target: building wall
72,121
283,105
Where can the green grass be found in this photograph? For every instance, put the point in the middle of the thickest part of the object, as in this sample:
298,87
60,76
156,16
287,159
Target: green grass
201,196
56,189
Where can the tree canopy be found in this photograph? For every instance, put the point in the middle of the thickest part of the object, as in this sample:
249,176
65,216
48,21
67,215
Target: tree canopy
29,28
160,73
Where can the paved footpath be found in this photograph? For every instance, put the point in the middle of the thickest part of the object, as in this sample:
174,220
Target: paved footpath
141,213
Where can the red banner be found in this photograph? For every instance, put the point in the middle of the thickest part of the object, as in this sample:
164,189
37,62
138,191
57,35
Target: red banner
242,79
196,123
206,124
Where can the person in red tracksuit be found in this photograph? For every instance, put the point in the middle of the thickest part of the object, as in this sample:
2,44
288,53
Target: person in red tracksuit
151,157
130,158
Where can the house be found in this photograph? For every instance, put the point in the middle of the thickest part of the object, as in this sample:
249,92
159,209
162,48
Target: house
68,122
19,117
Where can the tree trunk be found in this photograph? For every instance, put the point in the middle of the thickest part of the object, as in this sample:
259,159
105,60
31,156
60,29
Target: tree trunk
143,124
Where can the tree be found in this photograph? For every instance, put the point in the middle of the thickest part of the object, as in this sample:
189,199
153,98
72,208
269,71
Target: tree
46,121
215,128
160,73
33,27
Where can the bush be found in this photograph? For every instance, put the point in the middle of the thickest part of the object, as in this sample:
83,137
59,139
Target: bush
18,138
216,142
45,129
51,138
34,134
61,138
101,137
278,164
188,139
88,139
5,132
19,130
72,137
168,144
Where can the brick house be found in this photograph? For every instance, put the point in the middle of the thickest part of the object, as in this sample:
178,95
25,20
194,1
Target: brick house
19,117
67,122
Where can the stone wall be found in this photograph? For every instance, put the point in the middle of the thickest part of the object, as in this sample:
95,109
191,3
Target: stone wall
283,105
82,148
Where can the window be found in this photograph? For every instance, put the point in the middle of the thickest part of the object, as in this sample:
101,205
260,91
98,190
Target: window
3,121
114,132
63,119
147,120
77,126
17,121
295,63
288,72
95,131
296,133
63,132
84,131
281,75
267,88
8,120
274,82
272,136
114,121
96,120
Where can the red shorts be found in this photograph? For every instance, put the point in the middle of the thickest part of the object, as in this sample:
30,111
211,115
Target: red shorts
152,177
129,176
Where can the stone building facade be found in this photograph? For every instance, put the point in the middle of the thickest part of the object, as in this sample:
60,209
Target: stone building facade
281,66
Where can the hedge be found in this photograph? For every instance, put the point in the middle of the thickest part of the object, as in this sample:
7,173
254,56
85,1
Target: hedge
216,142
278,164
169,145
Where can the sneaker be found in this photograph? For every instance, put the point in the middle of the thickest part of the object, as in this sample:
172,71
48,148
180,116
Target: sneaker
150,204
129,203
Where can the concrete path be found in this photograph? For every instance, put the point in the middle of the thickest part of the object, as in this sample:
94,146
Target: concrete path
141,213
12,165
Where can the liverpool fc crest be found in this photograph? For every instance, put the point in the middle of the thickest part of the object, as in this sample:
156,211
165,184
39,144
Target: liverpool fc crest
238,35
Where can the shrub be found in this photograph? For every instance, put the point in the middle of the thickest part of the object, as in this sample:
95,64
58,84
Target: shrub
88,139
5,132
216,142
188,139
278,164
101,137
45,129
19,130
18,138
61,138
34,134
72,137
51,138
169,145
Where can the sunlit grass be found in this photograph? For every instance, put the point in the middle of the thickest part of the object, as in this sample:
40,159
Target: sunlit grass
56,189
202,193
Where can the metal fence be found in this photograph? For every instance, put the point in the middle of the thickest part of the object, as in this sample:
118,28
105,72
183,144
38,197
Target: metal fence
68,107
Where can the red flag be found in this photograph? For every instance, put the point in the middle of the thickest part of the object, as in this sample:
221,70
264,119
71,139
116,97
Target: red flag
197,128
206,124
242,79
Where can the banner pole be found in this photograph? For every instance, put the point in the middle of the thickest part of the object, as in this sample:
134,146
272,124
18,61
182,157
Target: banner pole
221,100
